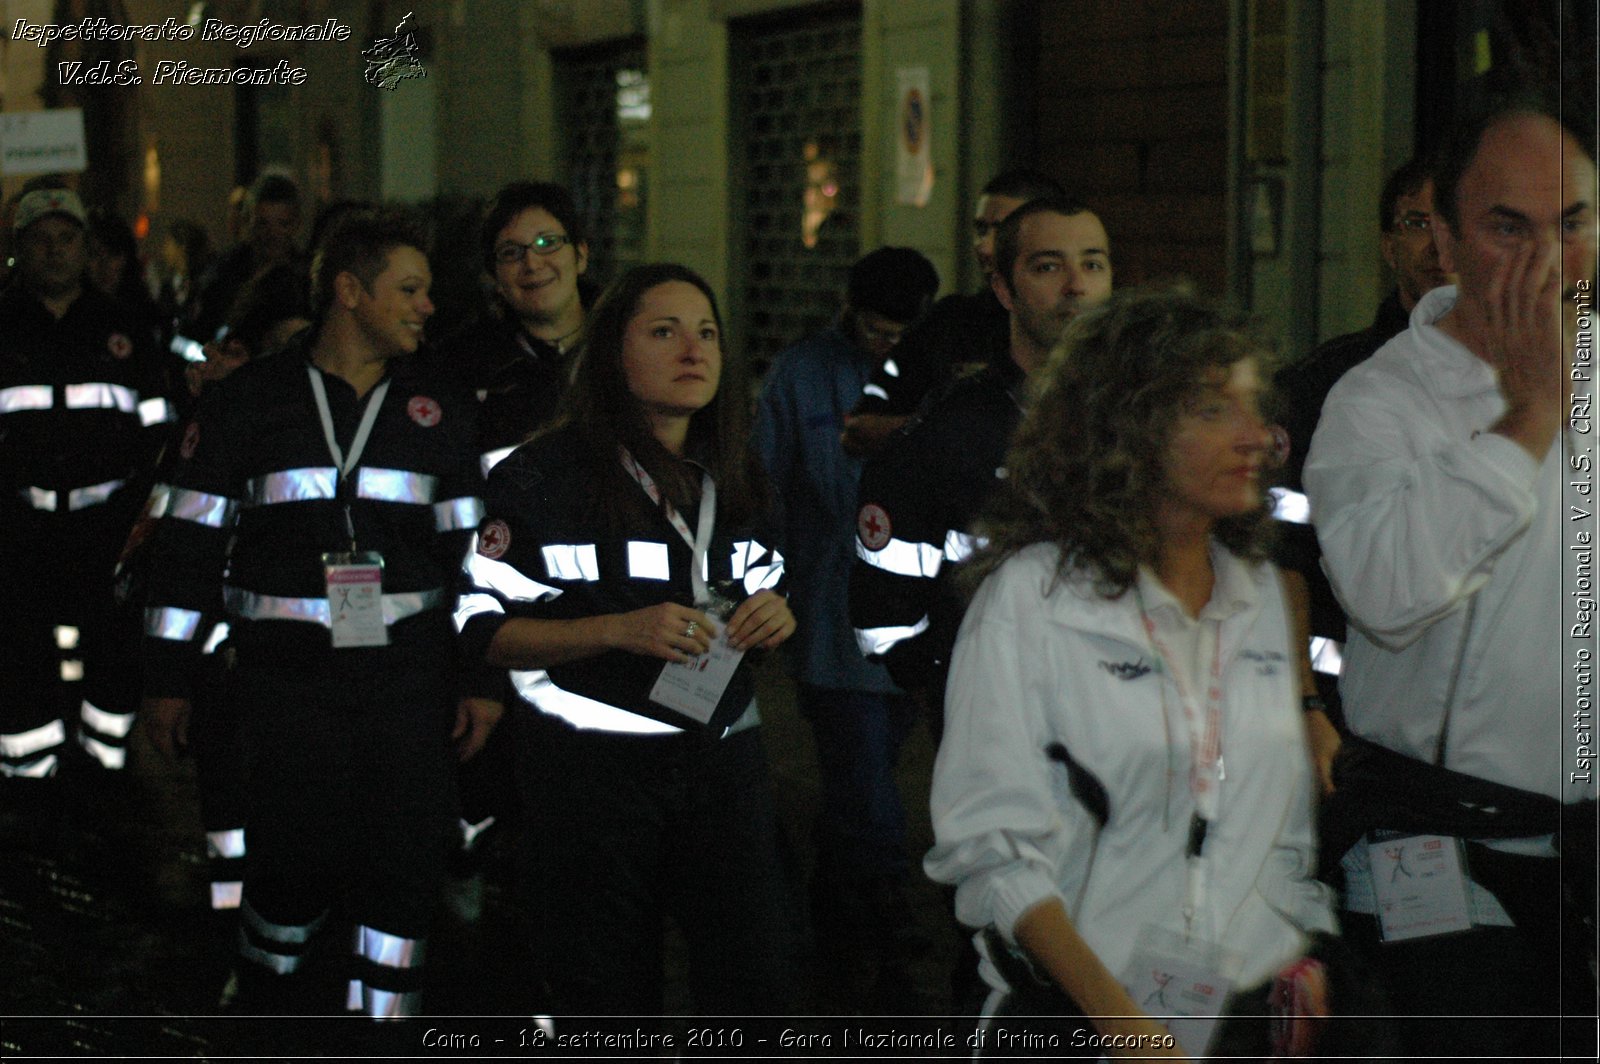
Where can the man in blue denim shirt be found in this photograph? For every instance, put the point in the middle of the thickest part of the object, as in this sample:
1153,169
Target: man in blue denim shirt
858,717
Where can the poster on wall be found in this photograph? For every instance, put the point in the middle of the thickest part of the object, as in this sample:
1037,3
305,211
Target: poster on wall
42,142
913,137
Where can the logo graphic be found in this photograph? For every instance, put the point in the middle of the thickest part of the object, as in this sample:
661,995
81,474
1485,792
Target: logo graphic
1126,670
119,346
191,440
424,411
391,60
872,526
494,540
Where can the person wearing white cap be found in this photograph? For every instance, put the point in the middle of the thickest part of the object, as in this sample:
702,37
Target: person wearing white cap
81,413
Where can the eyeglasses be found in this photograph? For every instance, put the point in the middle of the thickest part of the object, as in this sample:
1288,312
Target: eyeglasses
543,244
1415,222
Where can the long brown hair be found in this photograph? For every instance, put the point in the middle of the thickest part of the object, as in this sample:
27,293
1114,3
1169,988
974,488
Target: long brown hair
1088,463
600,406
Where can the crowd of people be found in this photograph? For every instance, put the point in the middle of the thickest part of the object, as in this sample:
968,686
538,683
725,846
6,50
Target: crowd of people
1244,672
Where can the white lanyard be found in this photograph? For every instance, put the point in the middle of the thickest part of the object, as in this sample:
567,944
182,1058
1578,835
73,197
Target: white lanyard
700,542
368,417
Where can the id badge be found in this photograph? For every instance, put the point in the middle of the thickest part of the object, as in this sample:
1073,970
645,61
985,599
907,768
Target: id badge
355,598
1419,884
1182,984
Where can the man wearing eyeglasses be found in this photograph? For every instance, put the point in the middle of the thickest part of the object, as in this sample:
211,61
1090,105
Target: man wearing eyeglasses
1405,214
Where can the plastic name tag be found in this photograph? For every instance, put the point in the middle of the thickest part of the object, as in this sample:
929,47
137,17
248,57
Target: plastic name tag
355,598
694,688
1419,883
1181,984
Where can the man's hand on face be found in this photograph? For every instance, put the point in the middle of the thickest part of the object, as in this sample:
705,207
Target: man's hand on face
1525,343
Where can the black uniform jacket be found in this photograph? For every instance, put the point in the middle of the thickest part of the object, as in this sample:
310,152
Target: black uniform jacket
254,469
81,414
548,550
918,502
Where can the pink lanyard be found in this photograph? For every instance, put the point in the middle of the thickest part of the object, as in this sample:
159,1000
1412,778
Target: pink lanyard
1205,747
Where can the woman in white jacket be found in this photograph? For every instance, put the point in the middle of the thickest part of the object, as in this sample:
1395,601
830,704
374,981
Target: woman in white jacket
1123,796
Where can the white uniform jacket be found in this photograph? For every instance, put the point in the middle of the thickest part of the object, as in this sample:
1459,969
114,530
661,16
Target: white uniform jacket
1422,512
1036,666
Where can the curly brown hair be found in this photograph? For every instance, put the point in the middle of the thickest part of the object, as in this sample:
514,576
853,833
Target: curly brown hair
1087,464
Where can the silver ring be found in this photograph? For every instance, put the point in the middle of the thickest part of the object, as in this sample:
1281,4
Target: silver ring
691,629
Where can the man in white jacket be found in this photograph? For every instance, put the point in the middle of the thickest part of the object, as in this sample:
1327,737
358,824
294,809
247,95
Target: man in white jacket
1437,480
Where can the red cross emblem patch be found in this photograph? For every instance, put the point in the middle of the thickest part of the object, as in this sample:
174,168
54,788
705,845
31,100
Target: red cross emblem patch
119,346
494,540
424,411
872,527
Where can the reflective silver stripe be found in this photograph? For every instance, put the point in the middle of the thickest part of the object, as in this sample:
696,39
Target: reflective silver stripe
396,485
282,963
391,951
891,368
32,741
959,546
761,577
155,412
227,895
382,1004
258,607
169,622
66,637
71,671
117,725
903,558
160,497
470,605
288,934
875,391
111,757
455,514
743,552
506,580
94,494
571,561
219,632
878,640
293,485
225,845
100,396
213,511
77,498
470,832
580,712
648,560
1290,506
489,459
1327,655
34,770
26,397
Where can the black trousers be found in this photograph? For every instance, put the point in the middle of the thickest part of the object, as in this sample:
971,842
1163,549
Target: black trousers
622,832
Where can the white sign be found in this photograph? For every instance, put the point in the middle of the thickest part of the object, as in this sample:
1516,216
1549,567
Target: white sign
42,142
913,138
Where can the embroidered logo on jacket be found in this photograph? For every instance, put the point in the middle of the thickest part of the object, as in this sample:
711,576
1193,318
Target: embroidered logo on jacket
872,526
424,411
1126,670
495,539
119,346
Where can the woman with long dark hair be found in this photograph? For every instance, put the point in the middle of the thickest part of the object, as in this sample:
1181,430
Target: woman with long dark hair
1123,797
621,575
